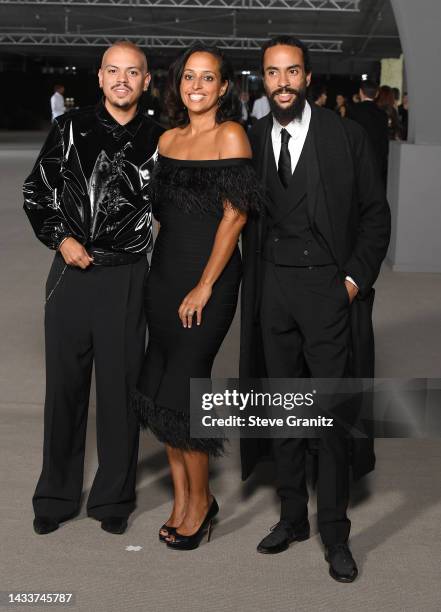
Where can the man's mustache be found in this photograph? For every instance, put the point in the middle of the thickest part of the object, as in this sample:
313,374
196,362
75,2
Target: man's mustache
118,85
284,90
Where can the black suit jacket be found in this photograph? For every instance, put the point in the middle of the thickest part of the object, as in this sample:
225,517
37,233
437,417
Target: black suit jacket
348,206
375,122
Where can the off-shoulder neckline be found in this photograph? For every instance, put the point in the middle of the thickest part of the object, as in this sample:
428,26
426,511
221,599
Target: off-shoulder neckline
227,161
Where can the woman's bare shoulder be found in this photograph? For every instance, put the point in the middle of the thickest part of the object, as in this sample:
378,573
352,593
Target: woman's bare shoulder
232,140
166,140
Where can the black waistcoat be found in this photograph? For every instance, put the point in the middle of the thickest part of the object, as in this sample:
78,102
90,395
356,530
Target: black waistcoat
289,237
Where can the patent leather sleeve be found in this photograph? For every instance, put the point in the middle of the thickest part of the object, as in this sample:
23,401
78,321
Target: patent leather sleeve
41,192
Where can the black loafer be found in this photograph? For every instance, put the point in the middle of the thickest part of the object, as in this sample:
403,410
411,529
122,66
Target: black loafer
342,566
282,535
45,524
114,524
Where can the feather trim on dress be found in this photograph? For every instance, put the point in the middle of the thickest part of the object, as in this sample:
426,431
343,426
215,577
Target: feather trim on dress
205,189
172,427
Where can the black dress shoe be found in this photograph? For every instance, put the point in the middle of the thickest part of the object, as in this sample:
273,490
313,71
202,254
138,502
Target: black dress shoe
114,524
342,566
282,535
45,524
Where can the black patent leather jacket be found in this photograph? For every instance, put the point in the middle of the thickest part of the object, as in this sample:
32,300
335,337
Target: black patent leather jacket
91,180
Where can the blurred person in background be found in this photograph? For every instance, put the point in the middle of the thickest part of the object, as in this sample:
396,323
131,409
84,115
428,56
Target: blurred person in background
319,94
403,112
375,122
261,107
57,102
341,105
245,120
386,101
397,96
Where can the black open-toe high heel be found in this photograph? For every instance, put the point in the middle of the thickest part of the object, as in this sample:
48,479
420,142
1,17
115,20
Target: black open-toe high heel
170,531
183,542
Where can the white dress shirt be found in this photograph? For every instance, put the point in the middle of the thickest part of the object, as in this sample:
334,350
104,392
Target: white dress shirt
298,129
57,105
261,107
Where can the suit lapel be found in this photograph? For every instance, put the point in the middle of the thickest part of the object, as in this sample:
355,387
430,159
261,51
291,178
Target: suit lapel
318,207
258,140
312,172
266,149
256,227
263,152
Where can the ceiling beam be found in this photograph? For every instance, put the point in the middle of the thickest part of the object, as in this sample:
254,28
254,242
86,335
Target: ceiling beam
262,5
157,42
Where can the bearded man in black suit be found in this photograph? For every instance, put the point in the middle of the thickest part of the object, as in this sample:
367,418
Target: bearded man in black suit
310,262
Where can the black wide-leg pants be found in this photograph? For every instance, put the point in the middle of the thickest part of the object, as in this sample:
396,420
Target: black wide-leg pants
305,328
91,316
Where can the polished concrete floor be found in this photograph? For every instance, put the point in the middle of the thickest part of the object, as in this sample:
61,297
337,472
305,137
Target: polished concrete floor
395,512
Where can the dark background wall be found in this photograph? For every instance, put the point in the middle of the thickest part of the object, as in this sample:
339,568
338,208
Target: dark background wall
25,105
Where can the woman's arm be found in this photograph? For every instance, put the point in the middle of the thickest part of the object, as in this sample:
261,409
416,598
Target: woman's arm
225,242
233,142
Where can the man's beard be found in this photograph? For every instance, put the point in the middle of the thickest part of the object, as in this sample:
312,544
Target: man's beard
123,103
289,113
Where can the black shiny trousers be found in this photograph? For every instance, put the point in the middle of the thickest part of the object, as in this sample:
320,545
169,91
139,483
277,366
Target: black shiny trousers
94,316
305,331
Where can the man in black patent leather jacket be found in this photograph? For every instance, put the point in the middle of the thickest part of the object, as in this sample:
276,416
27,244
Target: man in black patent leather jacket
87,199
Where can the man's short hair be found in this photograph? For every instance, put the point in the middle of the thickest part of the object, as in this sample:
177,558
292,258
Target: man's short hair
291,41
128,44
369,88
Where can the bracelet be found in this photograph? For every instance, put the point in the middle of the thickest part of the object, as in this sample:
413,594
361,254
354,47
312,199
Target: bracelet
64,239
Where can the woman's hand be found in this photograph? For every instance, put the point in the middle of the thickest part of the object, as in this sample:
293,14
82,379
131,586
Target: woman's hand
193,303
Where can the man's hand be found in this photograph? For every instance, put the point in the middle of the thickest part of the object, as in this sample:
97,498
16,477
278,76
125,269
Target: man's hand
352,290
74,254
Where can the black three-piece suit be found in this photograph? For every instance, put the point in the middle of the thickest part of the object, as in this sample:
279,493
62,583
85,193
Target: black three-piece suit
331,221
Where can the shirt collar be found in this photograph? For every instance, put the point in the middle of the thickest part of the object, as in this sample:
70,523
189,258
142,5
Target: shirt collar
294,128
116,129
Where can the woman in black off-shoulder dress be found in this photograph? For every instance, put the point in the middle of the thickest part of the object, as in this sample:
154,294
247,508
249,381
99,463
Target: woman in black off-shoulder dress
203,188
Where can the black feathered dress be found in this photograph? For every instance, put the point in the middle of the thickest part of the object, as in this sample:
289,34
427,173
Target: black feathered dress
188,199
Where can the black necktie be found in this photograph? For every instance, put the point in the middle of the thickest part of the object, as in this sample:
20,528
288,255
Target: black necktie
284,169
